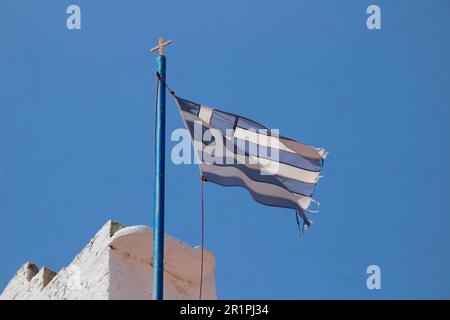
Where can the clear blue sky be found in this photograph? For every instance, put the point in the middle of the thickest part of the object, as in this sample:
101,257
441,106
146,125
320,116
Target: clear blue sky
76,123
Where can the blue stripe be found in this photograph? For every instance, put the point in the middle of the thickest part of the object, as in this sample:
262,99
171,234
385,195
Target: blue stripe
222,121
188,106
249,124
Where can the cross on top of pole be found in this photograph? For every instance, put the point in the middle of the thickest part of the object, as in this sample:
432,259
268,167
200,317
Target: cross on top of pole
161,46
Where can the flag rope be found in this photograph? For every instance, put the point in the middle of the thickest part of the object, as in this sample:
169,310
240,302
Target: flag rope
165,83
202,180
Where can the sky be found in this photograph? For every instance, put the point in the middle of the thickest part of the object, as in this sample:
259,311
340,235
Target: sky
76,136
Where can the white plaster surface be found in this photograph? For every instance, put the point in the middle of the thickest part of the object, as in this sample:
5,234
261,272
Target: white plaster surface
116,264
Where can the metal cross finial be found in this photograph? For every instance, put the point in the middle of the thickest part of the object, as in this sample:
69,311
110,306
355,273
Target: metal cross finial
161,46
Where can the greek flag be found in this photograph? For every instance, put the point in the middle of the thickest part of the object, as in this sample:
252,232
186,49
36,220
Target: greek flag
232,150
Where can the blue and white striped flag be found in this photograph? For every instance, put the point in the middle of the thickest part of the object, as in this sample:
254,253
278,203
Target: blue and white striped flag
234,151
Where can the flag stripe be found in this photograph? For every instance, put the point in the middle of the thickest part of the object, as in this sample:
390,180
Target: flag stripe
223,121
188,106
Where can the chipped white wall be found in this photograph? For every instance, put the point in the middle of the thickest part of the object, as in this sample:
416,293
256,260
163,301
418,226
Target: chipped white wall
116,264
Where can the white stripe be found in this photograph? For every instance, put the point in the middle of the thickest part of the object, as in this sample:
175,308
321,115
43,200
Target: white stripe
261,188
205,114
276,143
304,201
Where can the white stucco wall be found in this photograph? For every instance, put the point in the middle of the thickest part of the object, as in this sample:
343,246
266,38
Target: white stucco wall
116,264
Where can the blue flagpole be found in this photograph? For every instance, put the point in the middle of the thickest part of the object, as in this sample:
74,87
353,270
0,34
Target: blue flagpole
158,213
